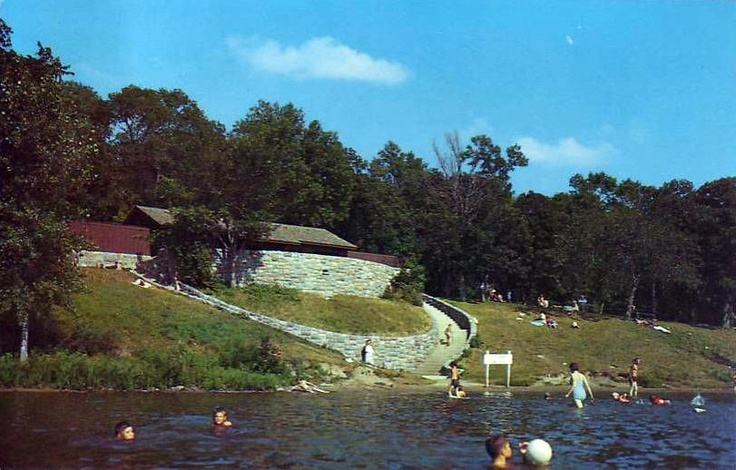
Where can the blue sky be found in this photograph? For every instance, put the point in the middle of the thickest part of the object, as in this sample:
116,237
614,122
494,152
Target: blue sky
638,89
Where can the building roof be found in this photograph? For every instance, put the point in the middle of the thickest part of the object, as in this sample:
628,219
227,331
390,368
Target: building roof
300,235
280,233
158,215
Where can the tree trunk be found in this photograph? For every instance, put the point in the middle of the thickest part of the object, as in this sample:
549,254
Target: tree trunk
728,315
463,288
630,307
24,340
654,300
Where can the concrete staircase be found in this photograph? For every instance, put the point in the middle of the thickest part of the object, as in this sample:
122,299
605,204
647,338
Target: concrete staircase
438,359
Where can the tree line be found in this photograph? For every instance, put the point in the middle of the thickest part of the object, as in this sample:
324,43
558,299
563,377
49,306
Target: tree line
67,153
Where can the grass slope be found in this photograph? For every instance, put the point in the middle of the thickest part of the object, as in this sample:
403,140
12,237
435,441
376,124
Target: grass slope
602,346
131,337
344,314
125,319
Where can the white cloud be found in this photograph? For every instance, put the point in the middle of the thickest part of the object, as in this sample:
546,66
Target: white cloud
318,58
565,152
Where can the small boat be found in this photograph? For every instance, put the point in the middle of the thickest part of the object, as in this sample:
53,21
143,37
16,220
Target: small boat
699,410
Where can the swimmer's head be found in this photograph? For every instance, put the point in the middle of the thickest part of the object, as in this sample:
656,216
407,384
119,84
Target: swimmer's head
498,445
219,415
124,431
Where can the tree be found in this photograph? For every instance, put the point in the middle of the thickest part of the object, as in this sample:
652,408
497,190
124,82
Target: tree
299,174
476,194
165,150
45,149
716,232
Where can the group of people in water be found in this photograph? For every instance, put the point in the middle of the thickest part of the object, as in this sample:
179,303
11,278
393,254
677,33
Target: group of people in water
124,431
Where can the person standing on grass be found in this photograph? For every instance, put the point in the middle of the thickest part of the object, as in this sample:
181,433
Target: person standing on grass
634,377
367,352
578,386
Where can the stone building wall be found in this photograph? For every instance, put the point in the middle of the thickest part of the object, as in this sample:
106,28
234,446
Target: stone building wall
317,274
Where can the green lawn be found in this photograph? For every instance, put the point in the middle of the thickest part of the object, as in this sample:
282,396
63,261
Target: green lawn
602,346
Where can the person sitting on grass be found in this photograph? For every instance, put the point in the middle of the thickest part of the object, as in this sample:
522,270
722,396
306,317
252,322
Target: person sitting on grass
309,387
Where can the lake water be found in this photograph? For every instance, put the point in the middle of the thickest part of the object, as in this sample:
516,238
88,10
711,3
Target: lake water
384,429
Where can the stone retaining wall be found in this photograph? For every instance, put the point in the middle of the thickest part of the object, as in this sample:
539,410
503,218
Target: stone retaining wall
317,274
396,353
101,259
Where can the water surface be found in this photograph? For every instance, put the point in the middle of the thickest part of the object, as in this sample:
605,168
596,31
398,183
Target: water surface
357,429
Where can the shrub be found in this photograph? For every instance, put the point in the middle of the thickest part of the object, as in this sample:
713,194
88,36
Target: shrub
408,285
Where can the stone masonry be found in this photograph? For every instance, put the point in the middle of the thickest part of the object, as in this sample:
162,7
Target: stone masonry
317,274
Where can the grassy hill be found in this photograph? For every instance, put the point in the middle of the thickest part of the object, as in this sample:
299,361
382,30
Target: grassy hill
602,346
124,337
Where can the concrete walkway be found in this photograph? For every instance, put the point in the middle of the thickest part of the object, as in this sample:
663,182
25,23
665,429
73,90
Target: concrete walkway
442,354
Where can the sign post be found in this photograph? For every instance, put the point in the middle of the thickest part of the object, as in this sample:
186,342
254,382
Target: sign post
493,359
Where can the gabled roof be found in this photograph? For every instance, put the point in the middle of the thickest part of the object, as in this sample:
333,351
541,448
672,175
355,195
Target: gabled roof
299,235
157,214
280,233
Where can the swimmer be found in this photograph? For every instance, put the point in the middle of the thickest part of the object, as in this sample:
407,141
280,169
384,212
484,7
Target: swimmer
621,397
655,400
499,449
460,393
548,396
219,417
124,431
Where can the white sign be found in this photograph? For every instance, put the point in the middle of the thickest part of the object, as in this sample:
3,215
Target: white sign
491,359
494,359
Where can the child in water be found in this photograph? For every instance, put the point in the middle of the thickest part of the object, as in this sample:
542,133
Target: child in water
656,400
219,417
124,431
499,449
454,379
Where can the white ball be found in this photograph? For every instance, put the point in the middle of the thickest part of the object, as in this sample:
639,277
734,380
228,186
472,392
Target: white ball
539,452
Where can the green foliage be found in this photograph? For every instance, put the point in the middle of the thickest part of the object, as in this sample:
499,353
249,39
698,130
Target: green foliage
46,146
408,285
82,372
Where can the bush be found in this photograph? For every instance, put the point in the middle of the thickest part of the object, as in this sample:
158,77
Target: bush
408,285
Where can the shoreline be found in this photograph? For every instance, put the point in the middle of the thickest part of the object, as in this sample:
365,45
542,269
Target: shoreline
378,384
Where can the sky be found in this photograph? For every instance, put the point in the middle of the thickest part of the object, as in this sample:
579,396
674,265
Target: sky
640,89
